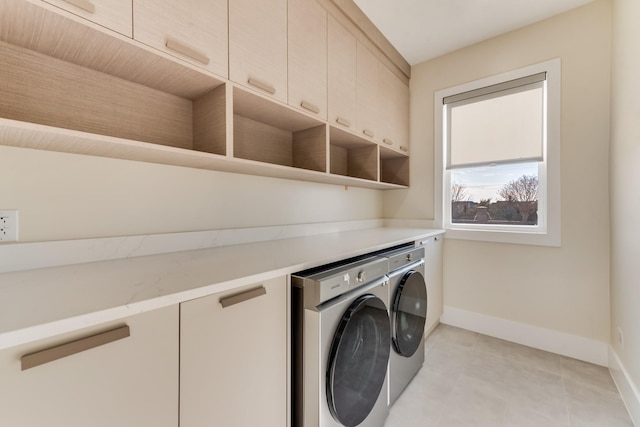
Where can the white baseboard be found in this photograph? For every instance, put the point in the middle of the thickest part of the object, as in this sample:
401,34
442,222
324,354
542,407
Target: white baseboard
550,340
626,386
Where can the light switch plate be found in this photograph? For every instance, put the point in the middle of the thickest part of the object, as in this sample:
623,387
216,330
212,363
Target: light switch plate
8,226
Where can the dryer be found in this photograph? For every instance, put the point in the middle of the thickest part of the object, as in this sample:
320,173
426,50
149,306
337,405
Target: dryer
408,302
340,345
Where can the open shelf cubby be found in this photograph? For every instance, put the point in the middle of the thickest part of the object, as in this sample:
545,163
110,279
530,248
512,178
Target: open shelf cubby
265,131
353,156
394,167
48,91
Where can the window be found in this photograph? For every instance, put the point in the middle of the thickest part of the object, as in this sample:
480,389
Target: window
498,140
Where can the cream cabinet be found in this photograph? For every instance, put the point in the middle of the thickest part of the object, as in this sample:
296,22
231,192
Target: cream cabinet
307,57
120,374
393,101
367,93
433,278
258,45
233,360
112,14
193,30
341,69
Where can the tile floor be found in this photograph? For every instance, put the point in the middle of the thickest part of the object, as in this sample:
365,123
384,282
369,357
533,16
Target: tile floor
472,380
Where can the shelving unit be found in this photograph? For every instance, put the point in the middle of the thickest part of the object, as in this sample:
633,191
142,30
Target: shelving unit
71,86
267,132
353,156
394,167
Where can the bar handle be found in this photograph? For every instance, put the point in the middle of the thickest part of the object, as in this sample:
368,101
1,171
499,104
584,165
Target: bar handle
404,148
311,107
342,121
54,353
85,5
368,132
267,87
242,296
186,50
387,141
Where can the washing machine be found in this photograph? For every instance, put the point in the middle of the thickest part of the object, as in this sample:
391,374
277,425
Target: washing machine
408,301
340,345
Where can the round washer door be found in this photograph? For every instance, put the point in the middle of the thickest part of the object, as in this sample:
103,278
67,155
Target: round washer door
358,360
409,313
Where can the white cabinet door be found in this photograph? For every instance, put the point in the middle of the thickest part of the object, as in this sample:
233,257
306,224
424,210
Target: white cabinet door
233,361
193,30
433,277
258,45
341,65
307,70
129,382
112,14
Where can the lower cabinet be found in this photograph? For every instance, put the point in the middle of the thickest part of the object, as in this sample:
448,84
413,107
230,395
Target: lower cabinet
233,357
433,277
121,374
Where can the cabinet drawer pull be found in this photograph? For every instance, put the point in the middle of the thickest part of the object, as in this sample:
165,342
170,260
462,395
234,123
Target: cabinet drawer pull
267,87
309,106
242,297
387,141
343,122
186,50
54,353
85,5
403,148
368,132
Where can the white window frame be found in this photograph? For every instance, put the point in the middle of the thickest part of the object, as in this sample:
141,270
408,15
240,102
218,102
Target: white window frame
548,232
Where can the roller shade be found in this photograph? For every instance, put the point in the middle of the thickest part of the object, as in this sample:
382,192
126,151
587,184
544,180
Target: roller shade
497,124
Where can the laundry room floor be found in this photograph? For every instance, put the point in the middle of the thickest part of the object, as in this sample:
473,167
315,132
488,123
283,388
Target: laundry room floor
473,380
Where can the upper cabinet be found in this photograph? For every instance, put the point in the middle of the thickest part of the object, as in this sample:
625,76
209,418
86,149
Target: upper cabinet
368,123
258,45
294,89
341,66
113,14
393,98
307,71
193,30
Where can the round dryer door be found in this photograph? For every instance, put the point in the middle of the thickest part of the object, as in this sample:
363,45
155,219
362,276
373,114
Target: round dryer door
358,360
409,313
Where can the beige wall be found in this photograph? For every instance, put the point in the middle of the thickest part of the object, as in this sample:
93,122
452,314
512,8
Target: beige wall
65,196
565,289
625,182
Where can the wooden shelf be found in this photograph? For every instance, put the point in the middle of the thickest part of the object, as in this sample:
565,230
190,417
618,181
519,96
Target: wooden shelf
352,156
394,167
268,132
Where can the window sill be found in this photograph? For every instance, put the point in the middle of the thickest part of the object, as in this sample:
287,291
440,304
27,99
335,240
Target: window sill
512,237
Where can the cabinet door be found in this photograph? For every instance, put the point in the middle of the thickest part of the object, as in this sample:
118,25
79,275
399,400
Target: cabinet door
258,45
394,108
307,70
129,382
367,93
194,30
433,278
341,65
112,14
233,362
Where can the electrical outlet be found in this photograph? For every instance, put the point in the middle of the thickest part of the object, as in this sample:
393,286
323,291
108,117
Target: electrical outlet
620,337
8,226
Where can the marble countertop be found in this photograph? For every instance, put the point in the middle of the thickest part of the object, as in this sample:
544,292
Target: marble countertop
44,302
